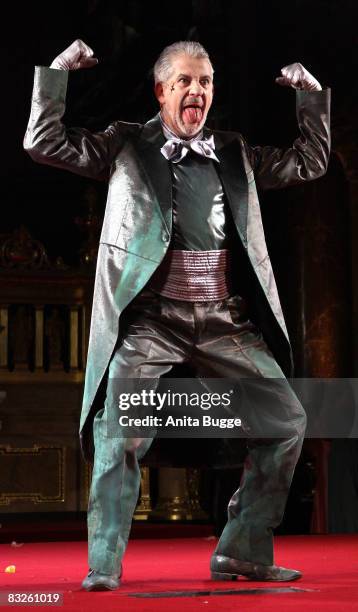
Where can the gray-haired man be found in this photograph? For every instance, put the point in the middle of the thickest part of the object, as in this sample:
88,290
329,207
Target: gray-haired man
182,212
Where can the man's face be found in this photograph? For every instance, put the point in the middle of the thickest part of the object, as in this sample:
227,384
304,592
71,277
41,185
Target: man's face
187,96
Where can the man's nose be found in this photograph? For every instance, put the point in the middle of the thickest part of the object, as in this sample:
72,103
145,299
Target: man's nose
195,88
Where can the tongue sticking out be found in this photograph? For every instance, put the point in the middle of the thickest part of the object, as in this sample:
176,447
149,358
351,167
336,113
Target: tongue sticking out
192,114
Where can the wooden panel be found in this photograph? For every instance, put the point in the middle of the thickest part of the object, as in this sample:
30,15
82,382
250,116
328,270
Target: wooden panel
40,461
32,474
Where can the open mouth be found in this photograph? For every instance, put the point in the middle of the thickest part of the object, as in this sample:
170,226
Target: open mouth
193,113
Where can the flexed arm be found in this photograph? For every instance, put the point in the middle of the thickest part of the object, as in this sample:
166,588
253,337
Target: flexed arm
308,157
47,140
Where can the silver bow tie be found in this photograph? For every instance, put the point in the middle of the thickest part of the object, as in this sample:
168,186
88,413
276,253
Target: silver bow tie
175,149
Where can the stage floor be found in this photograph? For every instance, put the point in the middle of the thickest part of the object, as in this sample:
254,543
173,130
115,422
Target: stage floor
173,575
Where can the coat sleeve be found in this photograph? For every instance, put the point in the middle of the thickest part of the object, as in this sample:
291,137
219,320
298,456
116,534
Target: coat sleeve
48,141
308,157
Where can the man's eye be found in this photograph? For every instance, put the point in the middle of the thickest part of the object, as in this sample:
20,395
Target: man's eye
205,82
183,80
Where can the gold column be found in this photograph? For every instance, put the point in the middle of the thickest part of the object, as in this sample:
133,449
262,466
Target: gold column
39,337
74,337
144,507
178,496
84,338
3,336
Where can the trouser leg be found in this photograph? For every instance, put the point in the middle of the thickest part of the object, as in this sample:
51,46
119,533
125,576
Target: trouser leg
142,353
258,505
113,496
239,352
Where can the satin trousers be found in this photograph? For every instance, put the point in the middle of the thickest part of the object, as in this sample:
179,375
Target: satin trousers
220,341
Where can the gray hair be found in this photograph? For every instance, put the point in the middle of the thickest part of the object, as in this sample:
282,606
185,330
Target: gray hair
163,66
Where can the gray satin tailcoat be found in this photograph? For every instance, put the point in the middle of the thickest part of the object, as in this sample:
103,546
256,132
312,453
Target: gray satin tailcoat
138,219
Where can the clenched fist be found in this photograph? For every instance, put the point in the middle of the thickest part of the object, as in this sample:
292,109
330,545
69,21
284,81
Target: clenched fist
78,55
296,76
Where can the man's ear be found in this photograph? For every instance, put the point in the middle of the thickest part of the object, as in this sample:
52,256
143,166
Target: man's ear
159,92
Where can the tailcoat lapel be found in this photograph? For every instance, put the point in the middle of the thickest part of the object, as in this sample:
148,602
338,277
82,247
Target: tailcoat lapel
233,176
156,167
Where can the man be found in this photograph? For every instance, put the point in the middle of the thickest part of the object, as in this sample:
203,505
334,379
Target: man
182,200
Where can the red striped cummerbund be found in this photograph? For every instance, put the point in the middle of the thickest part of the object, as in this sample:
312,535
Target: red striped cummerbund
193,276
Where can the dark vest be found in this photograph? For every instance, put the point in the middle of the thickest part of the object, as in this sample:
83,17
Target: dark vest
202,219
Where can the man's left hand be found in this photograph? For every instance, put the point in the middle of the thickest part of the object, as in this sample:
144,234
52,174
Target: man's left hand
296,76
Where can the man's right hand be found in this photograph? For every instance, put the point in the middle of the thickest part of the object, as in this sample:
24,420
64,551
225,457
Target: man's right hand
78,55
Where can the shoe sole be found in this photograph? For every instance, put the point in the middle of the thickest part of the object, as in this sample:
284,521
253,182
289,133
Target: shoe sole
222,576
100,587
232,577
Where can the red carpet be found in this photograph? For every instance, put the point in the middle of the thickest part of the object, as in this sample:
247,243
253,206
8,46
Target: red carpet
329,564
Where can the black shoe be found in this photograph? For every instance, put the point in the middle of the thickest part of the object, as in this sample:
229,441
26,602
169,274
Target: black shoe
96,581
225,568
